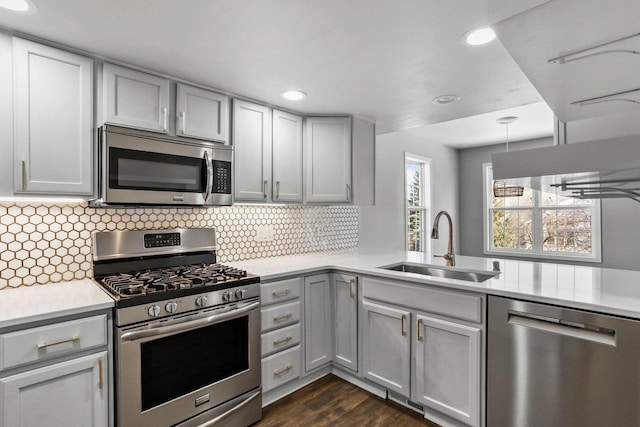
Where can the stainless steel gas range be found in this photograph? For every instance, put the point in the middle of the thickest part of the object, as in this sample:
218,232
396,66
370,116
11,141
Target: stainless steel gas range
187,330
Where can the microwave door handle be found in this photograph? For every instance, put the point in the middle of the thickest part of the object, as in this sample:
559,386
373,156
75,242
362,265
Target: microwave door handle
208,177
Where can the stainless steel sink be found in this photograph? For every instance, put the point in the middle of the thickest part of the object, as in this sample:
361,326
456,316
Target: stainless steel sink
430,270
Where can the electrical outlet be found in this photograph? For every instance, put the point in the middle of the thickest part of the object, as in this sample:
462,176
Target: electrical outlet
265,233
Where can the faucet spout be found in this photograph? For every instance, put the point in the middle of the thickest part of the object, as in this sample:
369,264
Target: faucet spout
450,256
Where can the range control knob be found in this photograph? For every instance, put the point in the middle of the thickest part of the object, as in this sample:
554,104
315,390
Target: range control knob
240,293
171,307
153,311
227,296
201,301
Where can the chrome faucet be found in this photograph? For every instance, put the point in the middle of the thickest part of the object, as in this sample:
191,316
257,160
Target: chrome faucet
449,256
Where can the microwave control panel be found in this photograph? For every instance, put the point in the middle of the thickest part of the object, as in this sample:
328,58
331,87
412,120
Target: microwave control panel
221,177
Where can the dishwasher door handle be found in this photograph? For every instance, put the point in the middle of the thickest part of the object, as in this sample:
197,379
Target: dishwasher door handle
566,328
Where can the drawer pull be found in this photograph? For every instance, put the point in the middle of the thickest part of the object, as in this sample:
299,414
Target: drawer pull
281,293
283,340
283,370
283,317
49,344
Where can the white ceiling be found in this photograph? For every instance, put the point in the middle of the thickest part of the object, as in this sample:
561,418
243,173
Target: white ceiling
534,121
380,59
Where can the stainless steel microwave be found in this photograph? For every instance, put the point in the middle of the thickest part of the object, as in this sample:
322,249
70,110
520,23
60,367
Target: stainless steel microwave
144,168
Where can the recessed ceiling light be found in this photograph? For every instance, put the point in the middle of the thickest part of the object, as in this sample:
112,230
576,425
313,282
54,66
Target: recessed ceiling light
23,6
445,99
479,36
293,95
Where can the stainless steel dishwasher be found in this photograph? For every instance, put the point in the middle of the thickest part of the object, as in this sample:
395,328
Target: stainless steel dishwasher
556,367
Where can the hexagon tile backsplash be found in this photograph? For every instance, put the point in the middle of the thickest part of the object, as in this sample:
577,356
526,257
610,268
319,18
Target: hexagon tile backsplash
46,242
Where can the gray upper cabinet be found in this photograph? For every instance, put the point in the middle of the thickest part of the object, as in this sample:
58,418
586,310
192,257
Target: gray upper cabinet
327,160
202,114
135,99
252,150
287,157
53,120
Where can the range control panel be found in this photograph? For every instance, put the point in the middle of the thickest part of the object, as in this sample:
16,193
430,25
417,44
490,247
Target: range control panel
160,240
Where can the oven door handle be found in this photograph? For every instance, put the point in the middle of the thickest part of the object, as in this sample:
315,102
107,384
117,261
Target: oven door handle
190,324
209,177
232,410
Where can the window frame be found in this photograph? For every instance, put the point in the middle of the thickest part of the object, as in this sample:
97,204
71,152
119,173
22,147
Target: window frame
425,206
537,228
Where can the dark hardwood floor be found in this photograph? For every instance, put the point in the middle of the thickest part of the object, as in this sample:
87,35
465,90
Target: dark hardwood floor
331,401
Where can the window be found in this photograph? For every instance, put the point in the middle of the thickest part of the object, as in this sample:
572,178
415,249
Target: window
541,224
418,200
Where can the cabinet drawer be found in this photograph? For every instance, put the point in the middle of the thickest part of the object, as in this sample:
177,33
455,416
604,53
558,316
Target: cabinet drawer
46,342
280,315
425,298
283,290
280,368
280,338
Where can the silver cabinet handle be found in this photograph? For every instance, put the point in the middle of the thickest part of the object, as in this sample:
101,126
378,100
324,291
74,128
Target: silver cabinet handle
277,189
281,293
283,370
209,176
264,188
351,291
164,118
348,191
419,329
183,116
283,317
100,382
283,340
24,175
403,331
50,344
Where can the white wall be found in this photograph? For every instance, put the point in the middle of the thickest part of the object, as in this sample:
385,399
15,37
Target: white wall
383,225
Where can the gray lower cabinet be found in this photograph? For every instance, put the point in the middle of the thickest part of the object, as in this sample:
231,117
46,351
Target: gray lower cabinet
56,374
386,352
318,325
427,348
344,295
53,120
281,332
447,371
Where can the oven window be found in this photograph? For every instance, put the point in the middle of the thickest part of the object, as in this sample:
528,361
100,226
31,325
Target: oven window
182,363
142,170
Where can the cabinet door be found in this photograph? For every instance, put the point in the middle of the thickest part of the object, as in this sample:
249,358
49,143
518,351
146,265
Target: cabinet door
327,153
71,394
345,304
448,368
386,354
202,114
317,321
53,119
287,157
252,151
135,99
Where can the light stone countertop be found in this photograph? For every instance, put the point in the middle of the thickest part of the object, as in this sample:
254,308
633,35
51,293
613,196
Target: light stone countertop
27,304
591,288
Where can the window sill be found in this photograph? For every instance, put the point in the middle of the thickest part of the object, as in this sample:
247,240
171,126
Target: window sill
545,257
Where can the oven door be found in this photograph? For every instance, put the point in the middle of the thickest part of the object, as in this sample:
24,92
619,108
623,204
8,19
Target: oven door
169,371
143,170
